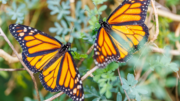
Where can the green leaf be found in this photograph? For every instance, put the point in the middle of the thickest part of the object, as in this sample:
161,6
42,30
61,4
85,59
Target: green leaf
102,80
62,97
125,87
172,2
104,75
27,99
4,74
113,78
138,98
96,99
20,81
119,97
88,95
131,80
94,90
108,94
165,60
87,8
103,90
96,77
104,19
174,67
171,82
91,92
125,82
96,2
159,92
141,90
102,8
101,84
77,55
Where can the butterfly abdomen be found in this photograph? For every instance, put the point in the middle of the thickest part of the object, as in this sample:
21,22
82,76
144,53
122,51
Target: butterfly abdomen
61,52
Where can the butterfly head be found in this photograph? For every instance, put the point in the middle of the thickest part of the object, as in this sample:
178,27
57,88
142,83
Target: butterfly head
104,25
101,21
68,44
65,48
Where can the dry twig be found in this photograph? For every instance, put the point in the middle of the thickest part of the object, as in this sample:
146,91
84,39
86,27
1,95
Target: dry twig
157,23
9,58
166,14
159,50
11,70
31,74
177,80
144,76
10,86
177,32
72,5
138,74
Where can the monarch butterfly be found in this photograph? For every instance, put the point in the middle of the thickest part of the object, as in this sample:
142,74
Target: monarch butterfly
122,33
45,54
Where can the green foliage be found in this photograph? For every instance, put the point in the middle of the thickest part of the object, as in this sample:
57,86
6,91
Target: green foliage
63,10
17,12
4,74
79,56
172,2
32,4
92,92
158,71
97,2
119,97
134,92
105,78
164,62
94,21
109,69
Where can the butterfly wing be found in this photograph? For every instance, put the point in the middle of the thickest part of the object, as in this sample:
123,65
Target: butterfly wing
104,49
33,41
37,63
63,75
128,29
129,38
130,12
38,50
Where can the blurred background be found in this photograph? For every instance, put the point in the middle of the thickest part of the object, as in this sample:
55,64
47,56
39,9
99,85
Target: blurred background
151,74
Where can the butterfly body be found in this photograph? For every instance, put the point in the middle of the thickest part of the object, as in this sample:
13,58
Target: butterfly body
123,33
45,54
105,25
61,52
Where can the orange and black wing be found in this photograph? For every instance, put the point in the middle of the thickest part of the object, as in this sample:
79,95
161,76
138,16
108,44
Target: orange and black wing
37,63
33,41
105,50
63,75
130,12
128,39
